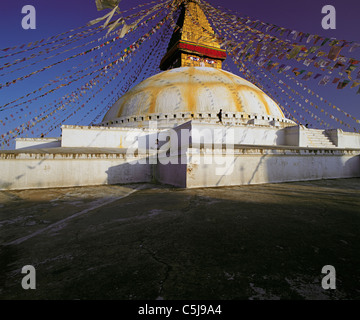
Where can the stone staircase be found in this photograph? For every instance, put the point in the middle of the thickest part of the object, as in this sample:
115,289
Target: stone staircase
319,138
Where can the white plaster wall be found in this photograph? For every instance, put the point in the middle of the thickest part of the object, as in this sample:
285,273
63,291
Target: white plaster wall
49,171
109,137
172,174
267,166
296,136
243,135
101,137
349,140
32,143
197,168
343,139
208,134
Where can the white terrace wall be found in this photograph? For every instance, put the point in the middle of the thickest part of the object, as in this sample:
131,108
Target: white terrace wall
32,143
244,135
196,133
145,138
27,171
213,168
344,139
296,136
349,140
105,137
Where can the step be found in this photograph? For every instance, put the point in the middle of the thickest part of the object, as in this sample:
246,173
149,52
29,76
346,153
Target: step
319,139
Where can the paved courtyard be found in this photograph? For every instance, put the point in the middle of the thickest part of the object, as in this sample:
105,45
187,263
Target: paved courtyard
139,241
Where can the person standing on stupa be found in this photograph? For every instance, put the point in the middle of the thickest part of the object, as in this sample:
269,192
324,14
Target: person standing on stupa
220,116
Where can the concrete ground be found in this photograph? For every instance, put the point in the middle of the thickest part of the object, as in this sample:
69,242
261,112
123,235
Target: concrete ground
157,242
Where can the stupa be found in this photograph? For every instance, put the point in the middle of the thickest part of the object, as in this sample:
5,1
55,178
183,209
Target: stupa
193,86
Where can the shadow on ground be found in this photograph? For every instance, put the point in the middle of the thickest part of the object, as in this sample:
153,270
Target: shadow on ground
249,242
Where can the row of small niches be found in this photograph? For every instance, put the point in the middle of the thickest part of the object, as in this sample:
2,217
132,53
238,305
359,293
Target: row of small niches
192,116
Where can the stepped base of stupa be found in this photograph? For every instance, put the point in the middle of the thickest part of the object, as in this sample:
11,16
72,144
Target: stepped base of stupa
191,155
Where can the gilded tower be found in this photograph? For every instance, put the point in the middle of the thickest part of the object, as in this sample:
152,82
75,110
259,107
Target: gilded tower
194,43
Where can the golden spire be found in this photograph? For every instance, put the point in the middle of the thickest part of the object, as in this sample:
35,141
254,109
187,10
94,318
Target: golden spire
194,43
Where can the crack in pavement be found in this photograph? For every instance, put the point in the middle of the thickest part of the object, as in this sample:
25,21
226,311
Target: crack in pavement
167,271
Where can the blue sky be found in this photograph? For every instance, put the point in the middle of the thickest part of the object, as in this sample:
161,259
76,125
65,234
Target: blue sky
54,17
57,16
